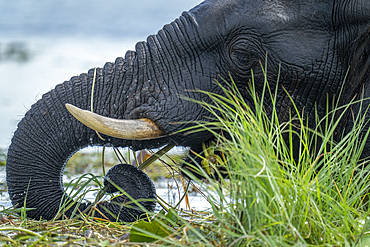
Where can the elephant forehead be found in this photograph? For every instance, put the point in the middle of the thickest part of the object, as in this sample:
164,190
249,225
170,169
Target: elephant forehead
287,15
217,20
278,11
245,11
298,47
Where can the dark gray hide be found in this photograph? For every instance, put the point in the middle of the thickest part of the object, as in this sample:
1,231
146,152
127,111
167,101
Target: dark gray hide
314,42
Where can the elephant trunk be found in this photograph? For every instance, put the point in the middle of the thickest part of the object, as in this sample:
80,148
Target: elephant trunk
49,135
146,84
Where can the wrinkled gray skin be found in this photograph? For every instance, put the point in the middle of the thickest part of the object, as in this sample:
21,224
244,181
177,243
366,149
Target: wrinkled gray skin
314,41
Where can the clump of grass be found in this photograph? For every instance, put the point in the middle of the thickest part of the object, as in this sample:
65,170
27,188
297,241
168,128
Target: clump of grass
270,198
14,232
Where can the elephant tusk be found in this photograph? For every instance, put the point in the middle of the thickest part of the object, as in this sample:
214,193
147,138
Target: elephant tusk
138,129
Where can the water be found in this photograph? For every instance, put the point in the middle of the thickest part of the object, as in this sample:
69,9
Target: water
4,197
167,189
44,43
170,191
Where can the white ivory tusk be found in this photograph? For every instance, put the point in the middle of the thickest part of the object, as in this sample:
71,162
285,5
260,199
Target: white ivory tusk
138,129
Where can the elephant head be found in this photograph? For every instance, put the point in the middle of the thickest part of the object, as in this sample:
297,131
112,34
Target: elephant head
310,44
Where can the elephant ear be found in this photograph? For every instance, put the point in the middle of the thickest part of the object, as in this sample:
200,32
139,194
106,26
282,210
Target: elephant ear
358,77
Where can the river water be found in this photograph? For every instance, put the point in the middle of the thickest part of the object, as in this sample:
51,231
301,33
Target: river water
45,42
169,190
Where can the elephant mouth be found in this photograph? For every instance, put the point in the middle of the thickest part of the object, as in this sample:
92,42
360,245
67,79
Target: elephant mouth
138,129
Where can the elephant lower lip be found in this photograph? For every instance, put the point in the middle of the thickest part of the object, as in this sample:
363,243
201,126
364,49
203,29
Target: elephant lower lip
139,129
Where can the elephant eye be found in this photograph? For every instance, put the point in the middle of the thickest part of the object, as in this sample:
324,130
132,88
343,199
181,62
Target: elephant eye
242,56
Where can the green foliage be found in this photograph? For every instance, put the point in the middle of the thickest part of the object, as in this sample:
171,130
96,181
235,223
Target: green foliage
76,192
156,229
143,231
273,198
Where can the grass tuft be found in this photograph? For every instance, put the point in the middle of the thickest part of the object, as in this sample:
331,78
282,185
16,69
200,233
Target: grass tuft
274,197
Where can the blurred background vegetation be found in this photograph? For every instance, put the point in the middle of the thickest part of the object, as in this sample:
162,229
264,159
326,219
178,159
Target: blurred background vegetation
91,161
2,157
14,52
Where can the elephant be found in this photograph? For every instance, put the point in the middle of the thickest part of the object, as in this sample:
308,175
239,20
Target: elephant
316,49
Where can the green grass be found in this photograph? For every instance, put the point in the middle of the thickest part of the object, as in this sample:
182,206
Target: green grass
269,198
272,199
